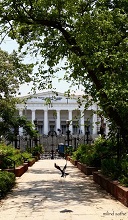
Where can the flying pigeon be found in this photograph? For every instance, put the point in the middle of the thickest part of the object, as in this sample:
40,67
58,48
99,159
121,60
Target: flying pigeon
63,173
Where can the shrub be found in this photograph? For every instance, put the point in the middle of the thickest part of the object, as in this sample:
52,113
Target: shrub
93,154
37,150
124,171
7,180
116,170
9,155
85,154
103,153
27,156
78,154
110,165
109,168
68,150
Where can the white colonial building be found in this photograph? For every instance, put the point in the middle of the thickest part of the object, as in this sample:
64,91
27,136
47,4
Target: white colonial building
51,112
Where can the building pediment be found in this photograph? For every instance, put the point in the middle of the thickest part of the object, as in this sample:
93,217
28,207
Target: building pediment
47,95
53,96
50,99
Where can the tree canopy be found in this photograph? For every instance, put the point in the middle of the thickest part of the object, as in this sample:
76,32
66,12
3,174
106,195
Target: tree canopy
90,35
12,74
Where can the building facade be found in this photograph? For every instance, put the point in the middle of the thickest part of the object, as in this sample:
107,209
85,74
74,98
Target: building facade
51,112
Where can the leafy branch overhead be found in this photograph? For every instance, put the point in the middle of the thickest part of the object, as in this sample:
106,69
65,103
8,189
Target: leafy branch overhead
90,36
13,73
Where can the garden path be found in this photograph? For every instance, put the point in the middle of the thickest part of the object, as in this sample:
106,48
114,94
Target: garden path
42,194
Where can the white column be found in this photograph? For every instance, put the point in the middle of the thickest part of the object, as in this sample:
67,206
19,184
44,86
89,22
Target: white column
70,118
58,119
21,128
46,122
33,116
94,124
82,128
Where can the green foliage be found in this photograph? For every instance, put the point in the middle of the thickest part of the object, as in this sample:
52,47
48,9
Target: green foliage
110,165
80,152
124,171
27,156
116,170
37,150
28,127
9,126
7,180
93,154
109,168
103,153
86,155
9,156
7,150
13,73
68,150
91,37
104,148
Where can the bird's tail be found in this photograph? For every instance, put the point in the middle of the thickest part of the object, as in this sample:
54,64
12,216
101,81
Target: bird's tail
66,174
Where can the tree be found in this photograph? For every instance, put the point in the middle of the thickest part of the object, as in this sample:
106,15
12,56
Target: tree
12,73
9,126
91,36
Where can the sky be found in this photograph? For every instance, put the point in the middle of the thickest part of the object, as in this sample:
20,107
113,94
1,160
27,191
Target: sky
61,86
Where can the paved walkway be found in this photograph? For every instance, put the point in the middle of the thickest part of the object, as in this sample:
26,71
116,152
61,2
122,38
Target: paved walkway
41,194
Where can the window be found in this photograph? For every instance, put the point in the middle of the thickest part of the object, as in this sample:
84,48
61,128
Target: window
52,127
63,129
40,129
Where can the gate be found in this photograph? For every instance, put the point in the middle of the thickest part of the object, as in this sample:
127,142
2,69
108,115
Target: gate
50,143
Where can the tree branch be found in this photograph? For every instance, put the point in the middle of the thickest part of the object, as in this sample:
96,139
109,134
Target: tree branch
73,46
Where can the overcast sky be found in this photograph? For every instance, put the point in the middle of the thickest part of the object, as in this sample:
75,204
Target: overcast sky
10,45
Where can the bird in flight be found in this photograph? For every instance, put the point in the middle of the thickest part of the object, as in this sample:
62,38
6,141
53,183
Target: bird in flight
63,173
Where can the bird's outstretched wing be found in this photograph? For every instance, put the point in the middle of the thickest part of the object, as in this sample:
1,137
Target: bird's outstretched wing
64,167
63,173
57,167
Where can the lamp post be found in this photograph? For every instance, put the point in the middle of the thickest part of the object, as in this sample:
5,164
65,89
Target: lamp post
68,133
16,133
87,134
77,141
35,123
28,137
25,109
52,134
